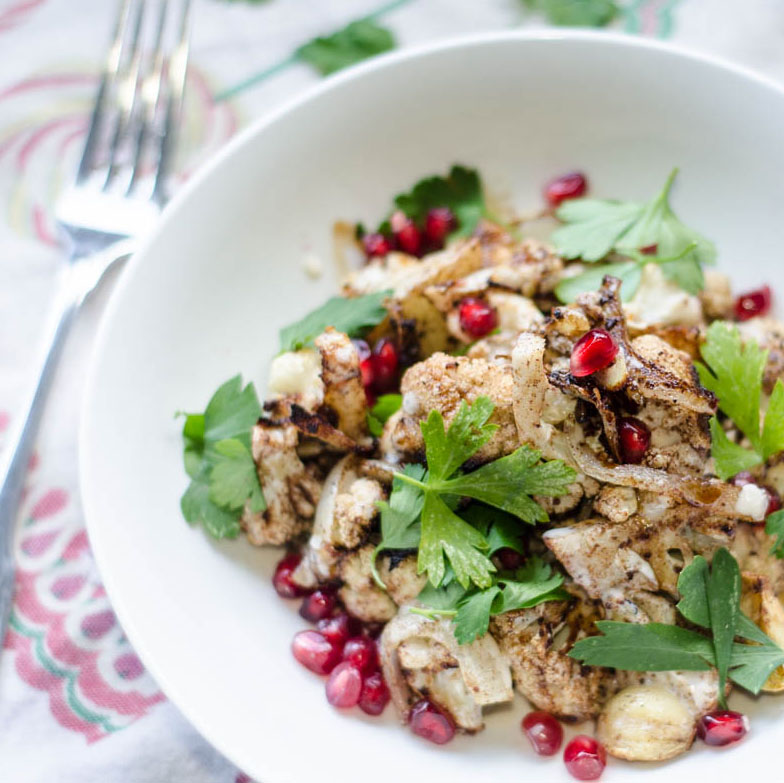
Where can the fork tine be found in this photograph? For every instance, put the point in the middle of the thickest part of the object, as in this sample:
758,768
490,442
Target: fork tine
110,71
176,72
150,95
126,92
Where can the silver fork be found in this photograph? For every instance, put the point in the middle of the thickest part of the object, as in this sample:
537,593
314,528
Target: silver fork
119,190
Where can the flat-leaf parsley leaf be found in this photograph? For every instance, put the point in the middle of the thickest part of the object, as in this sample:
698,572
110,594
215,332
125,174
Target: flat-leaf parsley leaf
218,460
352,316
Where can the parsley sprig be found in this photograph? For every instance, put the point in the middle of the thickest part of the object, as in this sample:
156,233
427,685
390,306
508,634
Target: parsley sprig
421,511
471,609
461,190
733,372
710,600
218,460
576,13
596,228
352,316
349,45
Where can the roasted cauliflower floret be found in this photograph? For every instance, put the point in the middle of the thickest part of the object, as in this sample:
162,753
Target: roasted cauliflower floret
441,383
290,490
361,596
542,671
345,513
421,658
343,389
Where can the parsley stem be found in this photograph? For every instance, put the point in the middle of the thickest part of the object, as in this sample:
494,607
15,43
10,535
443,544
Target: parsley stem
282,65
411,480
431,613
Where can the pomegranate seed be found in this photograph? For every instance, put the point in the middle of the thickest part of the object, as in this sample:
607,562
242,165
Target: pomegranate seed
385,365
407,235
376,245
438,223
510,559
571,185
477,318
317,605
594,351
649,250
366,370
428,722
585,758
722,727
635,437
743,478
361,652
282,581
753,303
375,694
315,652
338,629
544,732
344,686
774,501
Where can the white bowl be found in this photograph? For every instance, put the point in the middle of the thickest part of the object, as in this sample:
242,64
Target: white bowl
207,294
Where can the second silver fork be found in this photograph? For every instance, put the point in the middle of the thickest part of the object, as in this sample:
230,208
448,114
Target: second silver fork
119,189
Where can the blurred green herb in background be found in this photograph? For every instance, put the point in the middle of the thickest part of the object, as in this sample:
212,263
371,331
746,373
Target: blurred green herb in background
576,13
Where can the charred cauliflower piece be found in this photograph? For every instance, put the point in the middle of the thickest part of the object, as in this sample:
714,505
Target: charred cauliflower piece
343,389
345,513
441,383
542,670
360,594
420,658
290,490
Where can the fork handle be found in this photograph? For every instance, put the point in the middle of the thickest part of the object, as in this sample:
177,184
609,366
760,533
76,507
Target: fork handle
18,447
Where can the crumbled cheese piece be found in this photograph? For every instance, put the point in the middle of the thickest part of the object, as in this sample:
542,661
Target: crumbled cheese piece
297,372
312,265
752,502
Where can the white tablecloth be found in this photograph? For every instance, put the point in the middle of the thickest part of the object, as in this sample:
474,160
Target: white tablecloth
75,702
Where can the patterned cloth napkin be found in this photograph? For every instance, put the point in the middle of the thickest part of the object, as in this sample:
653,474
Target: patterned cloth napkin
75,702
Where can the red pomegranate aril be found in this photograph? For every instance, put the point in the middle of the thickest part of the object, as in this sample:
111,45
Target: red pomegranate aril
315,652
544,732
344,686
318,605
385,366
284,585
407,236
774,501
635,438
428,722
477,318
337,629
438,223
594,351
753,303
722,727
510,559
571,185
376,245
585,758
361,652
649,250
375,694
